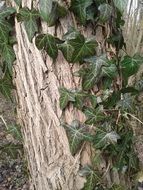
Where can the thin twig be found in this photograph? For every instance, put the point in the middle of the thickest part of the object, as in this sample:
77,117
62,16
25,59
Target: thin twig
135,118
1,117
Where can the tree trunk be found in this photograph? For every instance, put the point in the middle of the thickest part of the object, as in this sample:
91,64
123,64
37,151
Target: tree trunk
37,80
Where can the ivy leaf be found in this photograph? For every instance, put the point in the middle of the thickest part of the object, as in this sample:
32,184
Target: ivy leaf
110,70
6,87
82,48
93,74
92,177
57,11
30,21
130,89
71,34
103,138
130,65
48,43
113,99
79,99
5,28
7,11
79,8
67,50
120,4
18,2
8,56
66,96
45,7
93,115
126,103
105,12
76,135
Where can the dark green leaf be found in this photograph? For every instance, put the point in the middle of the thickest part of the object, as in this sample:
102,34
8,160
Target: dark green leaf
93,115
67,50
113,99
18,2
48,43
117,40
105,12
93,73
71,34
79,8
110,70
129,89
80,98
120,4
130,65
45,7
7,12
8,56
103,138
66,96
5,28
52,15
82,48
30,21
6,87
76,135
92,177
126,103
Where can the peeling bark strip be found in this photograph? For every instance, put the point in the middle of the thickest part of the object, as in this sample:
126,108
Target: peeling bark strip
37,81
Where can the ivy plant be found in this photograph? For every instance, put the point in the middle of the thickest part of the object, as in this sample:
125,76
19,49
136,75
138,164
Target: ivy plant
104,97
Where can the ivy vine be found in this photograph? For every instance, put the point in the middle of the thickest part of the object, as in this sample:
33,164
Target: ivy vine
106,107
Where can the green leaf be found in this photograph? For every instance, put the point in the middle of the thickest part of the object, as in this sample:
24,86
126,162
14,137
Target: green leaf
129,89
130,65
80,98
94,71
93,115
7,11
8,56
76,135
126,103
79,8
45,7
71,34
48,43
18,2
5,28
6,87
51,16
93,100
120,4
105,12
67,50
113,99
82,48
92,177
30,21
110,70
66,96
103,138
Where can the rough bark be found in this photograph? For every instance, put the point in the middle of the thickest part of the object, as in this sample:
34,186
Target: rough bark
37,81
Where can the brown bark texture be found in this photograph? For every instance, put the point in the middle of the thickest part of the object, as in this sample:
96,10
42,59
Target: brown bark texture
37,80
